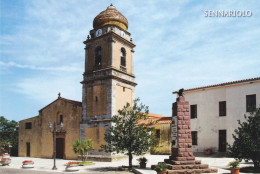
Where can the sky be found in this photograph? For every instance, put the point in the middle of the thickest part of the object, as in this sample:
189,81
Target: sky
177,46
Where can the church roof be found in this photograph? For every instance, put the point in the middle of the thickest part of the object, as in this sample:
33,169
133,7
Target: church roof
110,16
159,119
222,84
165,120
29,118
155,115
77,103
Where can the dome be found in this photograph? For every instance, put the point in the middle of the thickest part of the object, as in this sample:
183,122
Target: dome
110,16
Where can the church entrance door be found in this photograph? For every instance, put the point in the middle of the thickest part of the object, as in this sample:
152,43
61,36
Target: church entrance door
60,147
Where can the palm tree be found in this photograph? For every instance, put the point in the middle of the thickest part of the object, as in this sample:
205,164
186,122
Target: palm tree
83,147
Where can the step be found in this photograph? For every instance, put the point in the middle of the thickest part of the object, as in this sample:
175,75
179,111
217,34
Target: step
188,158
169,161
192,166
192,171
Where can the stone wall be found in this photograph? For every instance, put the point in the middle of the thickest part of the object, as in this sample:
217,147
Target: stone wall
164,142
96,97
29,136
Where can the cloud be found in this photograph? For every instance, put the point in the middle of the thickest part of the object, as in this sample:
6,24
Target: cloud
44,88
72,68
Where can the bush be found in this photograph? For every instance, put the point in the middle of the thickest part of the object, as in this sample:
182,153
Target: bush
161,167
234,164
82,147
247,139
142,160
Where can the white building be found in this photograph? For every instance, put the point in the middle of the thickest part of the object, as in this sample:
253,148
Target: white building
215,110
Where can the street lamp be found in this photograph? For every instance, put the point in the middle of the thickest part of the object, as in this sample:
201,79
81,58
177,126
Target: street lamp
54,141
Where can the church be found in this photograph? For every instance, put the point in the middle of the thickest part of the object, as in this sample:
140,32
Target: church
108,84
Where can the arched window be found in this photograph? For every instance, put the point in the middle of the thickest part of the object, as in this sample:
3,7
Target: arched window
61,119
98,56
123,57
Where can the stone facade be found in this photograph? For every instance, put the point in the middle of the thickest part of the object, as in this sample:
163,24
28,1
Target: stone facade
35,138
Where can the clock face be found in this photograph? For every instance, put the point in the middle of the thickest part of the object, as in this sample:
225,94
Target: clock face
122,33
98,32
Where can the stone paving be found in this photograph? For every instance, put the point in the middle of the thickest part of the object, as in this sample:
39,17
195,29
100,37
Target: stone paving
46,165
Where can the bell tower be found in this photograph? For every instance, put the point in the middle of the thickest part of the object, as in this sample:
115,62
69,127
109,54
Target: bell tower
108,80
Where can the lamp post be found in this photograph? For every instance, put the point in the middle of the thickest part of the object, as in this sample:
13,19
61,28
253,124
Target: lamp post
54,141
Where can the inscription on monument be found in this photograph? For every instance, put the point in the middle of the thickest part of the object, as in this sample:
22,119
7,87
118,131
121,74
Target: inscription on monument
174,132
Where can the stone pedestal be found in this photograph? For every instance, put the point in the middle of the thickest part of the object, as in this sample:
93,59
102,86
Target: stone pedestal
181,133
182,160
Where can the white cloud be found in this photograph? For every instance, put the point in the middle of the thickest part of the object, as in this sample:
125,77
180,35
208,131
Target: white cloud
71,68
44,88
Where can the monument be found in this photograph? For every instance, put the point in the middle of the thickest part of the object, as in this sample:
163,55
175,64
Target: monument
182,160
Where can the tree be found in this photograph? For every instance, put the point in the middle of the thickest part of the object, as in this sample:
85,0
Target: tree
83,147
8,136
247,139
127,135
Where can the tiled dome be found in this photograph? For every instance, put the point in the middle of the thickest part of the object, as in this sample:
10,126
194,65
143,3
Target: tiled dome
110,16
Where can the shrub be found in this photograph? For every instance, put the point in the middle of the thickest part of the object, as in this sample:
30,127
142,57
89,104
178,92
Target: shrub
234,164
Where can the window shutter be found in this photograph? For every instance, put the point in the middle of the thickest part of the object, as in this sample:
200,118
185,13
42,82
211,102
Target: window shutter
224,108
250,102
195,111
220,109
253,101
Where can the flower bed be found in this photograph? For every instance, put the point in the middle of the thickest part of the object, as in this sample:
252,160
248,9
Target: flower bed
28,164
72,163
5,161
207,151
5,155
72,166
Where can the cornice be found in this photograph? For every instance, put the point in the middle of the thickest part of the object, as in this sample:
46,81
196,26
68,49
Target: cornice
109,73
110,36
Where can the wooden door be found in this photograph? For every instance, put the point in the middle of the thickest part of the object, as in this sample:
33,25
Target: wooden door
28,149
222,141
59,148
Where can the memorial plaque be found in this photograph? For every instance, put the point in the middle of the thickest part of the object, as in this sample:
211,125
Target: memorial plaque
174,132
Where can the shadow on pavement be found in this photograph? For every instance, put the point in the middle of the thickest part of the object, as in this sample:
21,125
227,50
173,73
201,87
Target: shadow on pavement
213,155
107,169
